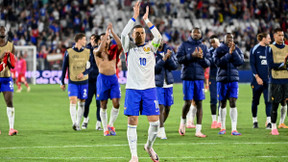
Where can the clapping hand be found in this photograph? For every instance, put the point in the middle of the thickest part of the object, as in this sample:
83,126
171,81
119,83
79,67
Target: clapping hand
136,9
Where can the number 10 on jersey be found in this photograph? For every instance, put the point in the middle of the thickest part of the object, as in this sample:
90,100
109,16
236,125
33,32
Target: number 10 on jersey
142,61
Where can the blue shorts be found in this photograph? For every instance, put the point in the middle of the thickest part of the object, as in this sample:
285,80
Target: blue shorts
165,96
79,90
107,87
193,90
227,90
6,84
143,101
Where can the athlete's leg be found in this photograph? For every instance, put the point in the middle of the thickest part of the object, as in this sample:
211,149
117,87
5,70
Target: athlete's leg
132,134
103,115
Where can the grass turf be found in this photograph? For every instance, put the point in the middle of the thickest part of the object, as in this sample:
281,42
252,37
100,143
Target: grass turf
45,133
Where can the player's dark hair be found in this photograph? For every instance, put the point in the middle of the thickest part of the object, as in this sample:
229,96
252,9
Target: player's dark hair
196,28
79,36
277,30
137,26
213,36
93,35
97,38
260,36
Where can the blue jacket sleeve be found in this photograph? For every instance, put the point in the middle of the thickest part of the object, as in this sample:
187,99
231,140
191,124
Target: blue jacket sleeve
221,61
171,63
87,71
253,62
181,55
237,57
159,64
205,62
64,67
270,61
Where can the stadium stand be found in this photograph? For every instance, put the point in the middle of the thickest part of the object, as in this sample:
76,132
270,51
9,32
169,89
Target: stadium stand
51,24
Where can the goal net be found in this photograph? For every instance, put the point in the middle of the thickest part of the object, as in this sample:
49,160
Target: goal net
29,53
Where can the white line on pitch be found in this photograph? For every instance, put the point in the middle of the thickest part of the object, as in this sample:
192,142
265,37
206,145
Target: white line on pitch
124,145
121,157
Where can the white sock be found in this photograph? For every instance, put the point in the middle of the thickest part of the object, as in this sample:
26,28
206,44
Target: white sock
213,118
113,116
198,128
80,112
219,117
254,119
183,121
274,126
73,113
233,116
223,118
11,116
103,115
268,119
132,139
283,113
152,133
194,111
86,120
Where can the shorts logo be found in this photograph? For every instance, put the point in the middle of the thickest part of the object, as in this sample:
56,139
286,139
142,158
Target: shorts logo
252,86
125,108
272,98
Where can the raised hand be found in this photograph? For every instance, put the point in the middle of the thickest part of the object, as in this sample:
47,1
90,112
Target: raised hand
167,55
200,53
146,13
110,27
232,47
136,9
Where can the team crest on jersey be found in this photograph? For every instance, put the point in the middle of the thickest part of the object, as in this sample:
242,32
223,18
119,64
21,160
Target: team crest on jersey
147,49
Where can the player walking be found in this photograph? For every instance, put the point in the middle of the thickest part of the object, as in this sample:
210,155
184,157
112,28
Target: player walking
194,57
227,58
21,70
165,63
76,59
107,82
7,59
140,87
277,54
259,83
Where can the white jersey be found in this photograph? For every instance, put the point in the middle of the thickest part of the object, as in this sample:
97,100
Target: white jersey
140,59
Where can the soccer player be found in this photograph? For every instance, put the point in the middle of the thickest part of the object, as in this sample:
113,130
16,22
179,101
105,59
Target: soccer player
165,63
140,87
214,42
277,54
7,59
194,57
227,58
92,80
21,70
259,83
76,59
107,82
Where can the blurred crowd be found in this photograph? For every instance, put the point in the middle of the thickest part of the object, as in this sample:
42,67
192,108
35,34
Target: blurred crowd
52,24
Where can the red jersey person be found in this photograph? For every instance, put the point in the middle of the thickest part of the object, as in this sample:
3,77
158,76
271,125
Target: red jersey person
21,70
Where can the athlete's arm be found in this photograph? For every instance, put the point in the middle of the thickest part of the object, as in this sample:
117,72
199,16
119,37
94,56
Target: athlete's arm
237,57
115,36
64,68
156,34
125,41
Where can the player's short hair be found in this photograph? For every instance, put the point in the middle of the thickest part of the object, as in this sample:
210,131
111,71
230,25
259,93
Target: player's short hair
277,30
137,26
97,38
260,36
213,37
93,35
196,28
79,36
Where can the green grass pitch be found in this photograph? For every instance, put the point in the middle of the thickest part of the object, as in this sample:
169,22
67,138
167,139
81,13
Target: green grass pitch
46,134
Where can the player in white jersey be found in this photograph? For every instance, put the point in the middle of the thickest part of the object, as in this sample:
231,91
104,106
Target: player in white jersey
140,87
